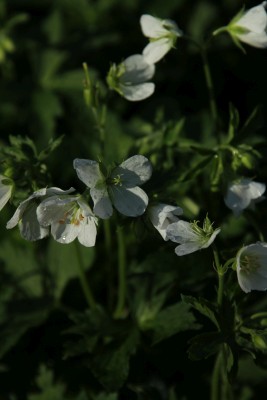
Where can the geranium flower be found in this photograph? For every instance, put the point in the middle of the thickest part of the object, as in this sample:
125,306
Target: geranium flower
251,267
242,194
162,34
120,188
130,78
249,27
162,215
25,215
190,236
70,217
6,187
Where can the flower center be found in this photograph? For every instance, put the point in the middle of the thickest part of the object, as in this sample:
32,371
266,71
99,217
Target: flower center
72,216
117,180
249,263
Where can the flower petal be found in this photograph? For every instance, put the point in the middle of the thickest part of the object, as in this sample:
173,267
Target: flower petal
134,171
5,193
151,26
131,202
54,209
102,203
211,239
29,226
254,19
64,233
240,194
252,281
137,70
87,232
182,232
88,171
22,207
137,92
255,39
162,215
187,248
156,50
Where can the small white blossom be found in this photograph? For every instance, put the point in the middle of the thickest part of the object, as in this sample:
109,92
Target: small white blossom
25,215
5,190
162,215
190,236
249,27
70,217
251,267
162,34
120,188
130,78
243,194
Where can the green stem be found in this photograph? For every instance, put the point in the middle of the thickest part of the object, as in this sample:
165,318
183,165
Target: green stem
251,219
216,381
206,67
83,280
209,83
121,274
220,276
109,263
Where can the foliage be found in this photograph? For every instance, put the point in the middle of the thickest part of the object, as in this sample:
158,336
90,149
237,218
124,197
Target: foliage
128,318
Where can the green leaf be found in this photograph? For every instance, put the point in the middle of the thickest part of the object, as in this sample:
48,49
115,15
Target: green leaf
21,266
62,261
53,27
233,123
196,169
17,325
149,285
48,389
87,329
204,307
49,63
173,132
111,367
254,122
52,145
46,107
205,345
171,320
231,357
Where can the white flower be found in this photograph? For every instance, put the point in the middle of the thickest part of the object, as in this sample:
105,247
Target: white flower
70,217
162,34
130,78
120,188
251,267
5,190
26,217
162,215
249,27
190,236
243,194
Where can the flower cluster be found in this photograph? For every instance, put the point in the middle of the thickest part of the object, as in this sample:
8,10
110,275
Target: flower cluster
69,215
131,78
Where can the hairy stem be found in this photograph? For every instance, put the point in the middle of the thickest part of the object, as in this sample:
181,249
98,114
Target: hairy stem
216,378
121,274
209,83
83,280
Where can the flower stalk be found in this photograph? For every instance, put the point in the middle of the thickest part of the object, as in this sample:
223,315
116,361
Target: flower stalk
121,274
83,280
209,83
